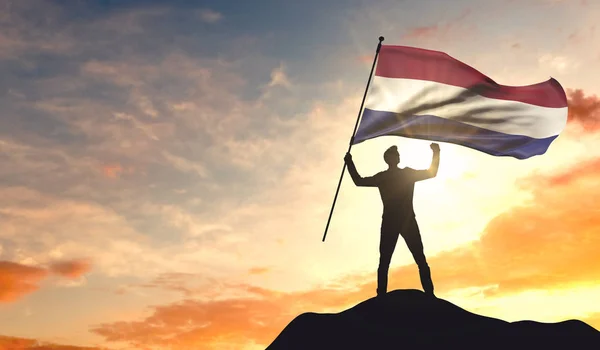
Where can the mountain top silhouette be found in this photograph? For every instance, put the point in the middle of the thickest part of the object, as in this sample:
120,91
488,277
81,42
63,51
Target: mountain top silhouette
409,319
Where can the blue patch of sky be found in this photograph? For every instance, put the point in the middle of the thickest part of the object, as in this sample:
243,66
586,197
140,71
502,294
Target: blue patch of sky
294,32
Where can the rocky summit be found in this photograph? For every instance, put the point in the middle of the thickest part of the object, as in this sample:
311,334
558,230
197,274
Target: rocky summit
409,319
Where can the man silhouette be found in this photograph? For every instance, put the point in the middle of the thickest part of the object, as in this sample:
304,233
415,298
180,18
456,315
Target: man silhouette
396,187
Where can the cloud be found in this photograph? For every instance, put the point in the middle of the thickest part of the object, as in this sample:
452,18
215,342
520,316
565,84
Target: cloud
561,64
198,99
110,135
146,129
210,16
128,21
438,31
279,78
258,270
71,269
39,228
22,39
173,114
16,343
365,59
424,32
554,1
113,171
584,110
185,165
570,178
256,318
18,280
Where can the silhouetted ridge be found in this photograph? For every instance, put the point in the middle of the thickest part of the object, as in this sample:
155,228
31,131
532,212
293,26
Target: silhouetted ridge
409,319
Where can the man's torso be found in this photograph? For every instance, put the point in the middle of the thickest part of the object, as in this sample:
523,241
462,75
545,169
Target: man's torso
396,188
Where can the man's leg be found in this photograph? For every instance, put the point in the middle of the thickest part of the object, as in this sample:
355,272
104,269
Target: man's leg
387,244
412,236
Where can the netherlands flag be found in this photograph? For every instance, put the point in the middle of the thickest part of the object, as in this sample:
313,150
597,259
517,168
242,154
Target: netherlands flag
429,95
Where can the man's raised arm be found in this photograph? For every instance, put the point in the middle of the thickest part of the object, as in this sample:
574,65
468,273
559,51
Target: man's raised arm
358,180
433,168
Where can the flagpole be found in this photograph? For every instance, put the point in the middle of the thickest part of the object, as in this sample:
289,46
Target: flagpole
353,133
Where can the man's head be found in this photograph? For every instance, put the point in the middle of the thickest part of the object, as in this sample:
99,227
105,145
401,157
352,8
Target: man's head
391,156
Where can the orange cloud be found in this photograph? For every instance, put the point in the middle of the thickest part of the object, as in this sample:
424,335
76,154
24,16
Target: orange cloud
112,171
567,178
17,280
177,282
584,110
71,269
258,270
216,324
365,58
14,343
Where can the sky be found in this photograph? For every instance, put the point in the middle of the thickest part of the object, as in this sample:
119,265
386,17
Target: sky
168,169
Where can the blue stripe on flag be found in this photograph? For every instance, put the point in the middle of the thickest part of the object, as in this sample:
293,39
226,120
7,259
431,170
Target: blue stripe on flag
428,127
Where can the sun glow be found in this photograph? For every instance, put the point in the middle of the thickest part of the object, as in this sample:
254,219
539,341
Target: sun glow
417,154
414,153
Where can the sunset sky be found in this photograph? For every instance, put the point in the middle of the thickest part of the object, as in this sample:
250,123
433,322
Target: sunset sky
167,169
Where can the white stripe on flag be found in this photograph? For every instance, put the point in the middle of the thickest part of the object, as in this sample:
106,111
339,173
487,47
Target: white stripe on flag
422,97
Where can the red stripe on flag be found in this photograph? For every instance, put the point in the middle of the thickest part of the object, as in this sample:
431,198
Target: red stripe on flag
415,63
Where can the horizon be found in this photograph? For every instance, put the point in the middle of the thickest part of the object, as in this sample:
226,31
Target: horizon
168,169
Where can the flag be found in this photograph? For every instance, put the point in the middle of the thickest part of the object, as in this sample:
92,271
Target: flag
429,95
